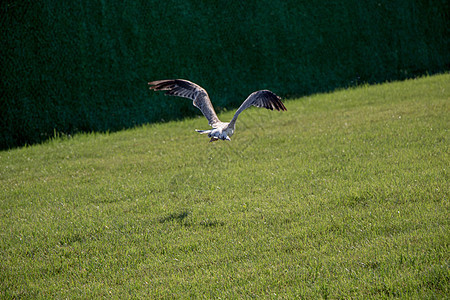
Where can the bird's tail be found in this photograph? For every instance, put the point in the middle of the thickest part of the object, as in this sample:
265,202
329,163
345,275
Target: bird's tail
203,131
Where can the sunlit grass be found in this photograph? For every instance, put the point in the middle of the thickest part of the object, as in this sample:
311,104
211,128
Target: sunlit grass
344,195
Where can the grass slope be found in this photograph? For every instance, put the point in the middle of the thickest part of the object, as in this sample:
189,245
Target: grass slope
344,195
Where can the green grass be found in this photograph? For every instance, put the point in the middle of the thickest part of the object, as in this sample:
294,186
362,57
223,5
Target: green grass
345,195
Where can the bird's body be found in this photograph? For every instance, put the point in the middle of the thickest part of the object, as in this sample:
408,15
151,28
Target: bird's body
220,130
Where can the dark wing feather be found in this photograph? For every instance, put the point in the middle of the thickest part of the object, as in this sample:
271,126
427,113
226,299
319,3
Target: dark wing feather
264,98
186,89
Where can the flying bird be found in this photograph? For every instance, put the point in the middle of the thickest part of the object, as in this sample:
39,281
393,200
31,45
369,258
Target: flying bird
199,96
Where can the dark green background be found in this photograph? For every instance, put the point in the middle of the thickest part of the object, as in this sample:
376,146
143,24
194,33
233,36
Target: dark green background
71,66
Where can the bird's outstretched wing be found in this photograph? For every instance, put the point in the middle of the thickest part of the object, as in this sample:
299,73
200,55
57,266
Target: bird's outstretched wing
264,98
186,89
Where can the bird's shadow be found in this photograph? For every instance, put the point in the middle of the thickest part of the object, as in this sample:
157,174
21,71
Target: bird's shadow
178,217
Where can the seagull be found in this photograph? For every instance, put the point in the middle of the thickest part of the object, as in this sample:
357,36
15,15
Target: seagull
199,96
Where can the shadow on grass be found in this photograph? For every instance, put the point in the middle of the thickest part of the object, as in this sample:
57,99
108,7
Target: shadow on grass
211,223
179,217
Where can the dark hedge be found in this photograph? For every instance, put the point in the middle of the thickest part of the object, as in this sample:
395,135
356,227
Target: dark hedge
71,66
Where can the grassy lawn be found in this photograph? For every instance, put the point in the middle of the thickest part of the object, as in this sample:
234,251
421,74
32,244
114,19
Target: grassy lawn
345,195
